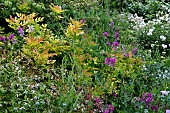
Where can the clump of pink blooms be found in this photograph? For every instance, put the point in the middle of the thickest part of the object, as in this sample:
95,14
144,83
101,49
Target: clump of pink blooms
110,61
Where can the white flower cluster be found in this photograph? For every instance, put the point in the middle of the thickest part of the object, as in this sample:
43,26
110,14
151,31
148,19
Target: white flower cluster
163,38
138,24
164,46
164,74
165,18
138,21
150,31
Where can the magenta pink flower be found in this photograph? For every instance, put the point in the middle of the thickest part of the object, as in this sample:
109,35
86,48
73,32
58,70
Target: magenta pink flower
147,98
109,109
108,43
117,34
14,42
113,60
155,108
97,99
114,94
21,31
98,104
112,24
11,36
110,61
106,34
135,50
82,21
2,38
115,44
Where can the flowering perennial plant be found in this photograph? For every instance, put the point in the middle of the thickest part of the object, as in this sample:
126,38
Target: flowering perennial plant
109,109
101,71
110,61
21,31
11,39
134,51
98,104
105,34
99,107
147,98
11,36
2,38
117,34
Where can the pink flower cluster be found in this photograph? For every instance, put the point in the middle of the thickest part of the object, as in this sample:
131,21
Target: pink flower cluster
110,61
10,38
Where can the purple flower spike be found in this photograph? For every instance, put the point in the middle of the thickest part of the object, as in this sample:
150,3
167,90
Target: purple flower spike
150,95
109,109
11,36
106,61
108,43
112,24
82,21
97,99
98,103
106,111
117,34
110,106
20,31
114,94
155,108
106,34
2,38
135,50
14,42
110,61
115,44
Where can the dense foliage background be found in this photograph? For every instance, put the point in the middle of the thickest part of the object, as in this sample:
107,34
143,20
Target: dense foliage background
85,56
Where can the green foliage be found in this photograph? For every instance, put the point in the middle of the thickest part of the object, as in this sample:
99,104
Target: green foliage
84,56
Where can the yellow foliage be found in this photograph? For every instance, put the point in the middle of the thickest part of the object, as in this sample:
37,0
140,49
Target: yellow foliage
74,28
33,41
42,58
56,8
23,20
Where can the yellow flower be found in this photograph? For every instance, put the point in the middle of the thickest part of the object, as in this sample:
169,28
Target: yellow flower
56,9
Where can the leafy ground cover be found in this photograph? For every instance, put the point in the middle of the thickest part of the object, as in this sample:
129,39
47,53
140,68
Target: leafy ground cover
83,56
